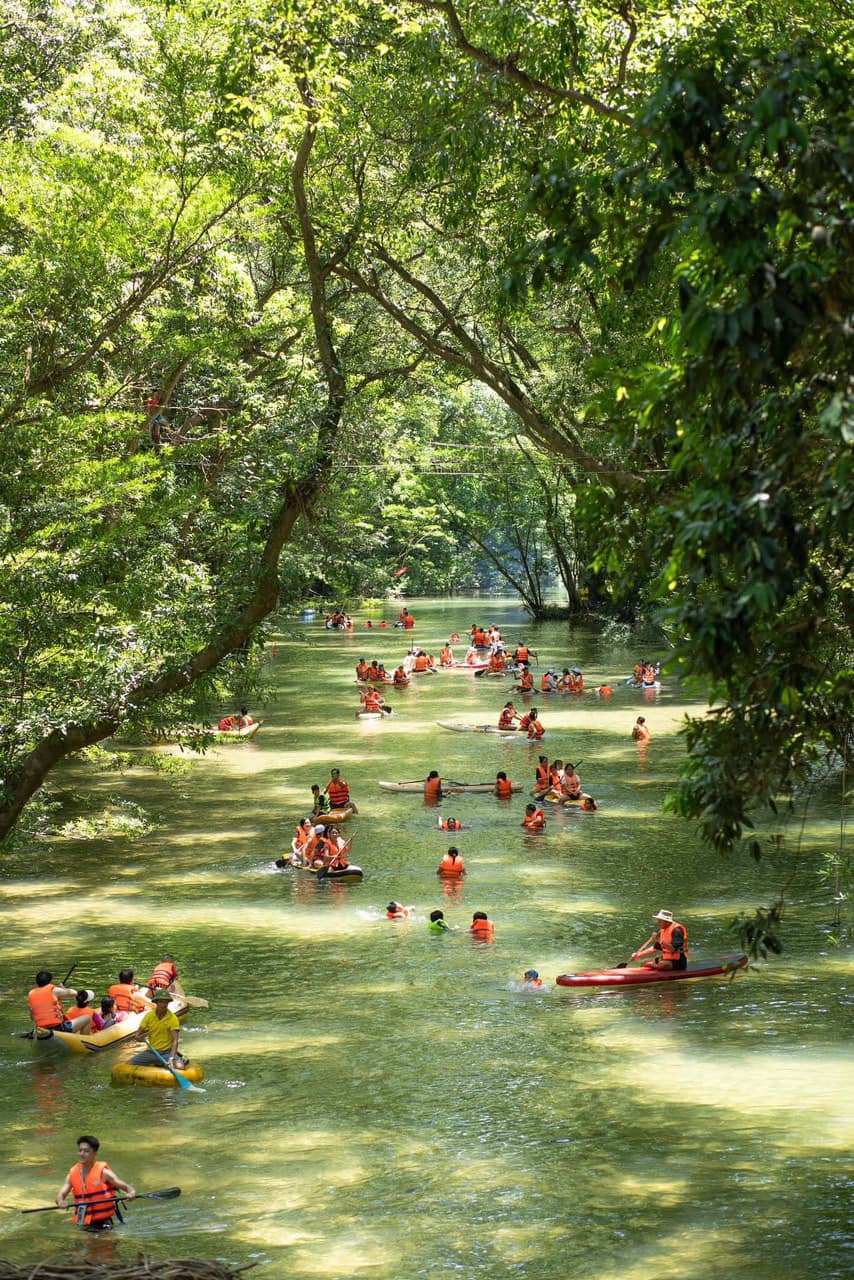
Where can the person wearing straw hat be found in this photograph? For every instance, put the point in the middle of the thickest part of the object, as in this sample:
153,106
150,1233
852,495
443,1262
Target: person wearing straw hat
669,944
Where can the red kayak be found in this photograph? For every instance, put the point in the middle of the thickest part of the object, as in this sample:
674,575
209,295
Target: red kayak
637,977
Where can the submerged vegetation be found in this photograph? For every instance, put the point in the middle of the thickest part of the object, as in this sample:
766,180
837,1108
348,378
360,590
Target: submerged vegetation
331,298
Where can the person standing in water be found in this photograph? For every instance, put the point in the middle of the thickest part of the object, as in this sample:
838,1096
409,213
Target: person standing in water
91,1182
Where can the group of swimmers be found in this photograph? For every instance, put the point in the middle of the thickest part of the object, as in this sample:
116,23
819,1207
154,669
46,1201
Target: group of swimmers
481,928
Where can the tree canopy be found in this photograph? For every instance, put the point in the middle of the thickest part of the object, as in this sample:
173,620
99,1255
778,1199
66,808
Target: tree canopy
256,257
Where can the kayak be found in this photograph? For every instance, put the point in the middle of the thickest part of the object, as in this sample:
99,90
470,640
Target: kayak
641,977
460,726
347,875
333,815
372,684
465,667
630,684
373,715
94,1041
127,1073
447,787
222,735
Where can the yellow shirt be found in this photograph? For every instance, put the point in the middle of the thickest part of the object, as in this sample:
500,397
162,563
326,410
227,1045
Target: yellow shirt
159,1030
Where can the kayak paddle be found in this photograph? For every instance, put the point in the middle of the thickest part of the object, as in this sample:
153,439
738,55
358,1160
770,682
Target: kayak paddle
182,1080
170,1193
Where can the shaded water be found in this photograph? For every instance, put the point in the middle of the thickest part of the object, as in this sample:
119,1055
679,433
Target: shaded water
384,1103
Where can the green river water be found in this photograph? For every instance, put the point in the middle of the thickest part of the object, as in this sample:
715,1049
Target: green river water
384,1103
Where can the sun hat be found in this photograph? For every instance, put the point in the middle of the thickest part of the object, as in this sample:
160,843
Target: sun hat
664,915
318,831
161,993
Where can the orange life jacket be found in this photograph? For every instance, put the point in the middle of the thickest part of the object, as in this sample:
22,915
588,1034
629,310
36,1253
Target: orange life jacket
400,676
79,1011
522,653
228,722
483,929
408,622
402,914
534,982
373,672
446,657
45,1007
503,787
127,1001
339,794
432,788
496,662
543,775
339,861
665,941
535,820
576,683
373,700
526,681
362,671
163,975
505,720
535,729
451,867
546,684
421,662
93,1187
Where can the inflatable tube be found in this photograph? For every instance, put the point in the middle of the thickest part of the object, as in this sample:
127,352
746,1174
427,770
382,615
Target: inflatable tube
126,1073
640,977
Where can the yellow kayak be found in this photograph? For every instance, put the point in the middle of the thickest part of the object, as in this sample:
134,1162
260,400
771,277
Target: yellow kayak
127,1073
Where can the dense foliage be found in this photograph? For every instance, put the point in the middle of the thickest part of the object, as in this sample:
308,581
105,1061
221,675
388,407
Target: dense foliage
508,292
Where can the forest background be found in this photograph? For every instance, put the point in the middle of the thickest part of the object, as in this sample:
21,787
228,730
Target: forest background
515,294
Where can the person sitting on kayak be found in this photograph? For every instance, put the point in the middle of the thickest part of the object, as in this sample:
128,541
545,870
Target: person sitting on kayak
318,852
535,819
319,801
542,778
160,1028
482,929
496,662
670,940
472,658
521,654
452,865
93,1184
82,1008
432,788
126,993
164,974
339,792
507,716
503,786
449,824
108,1017
446,656
576,681
640,732
337,850
570,783
400,677
362,669
549,682
438,923
526,682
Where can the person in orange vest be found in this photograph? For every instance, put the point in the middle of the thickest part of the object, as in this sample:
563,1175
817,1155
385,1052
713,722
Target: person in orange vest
397,911
400,677
640,732
125,992
164,974
82,1007
526,681
361,669
92,1183
521,654
446,656
452,865
532,725
542,779
503,786
339,792
532,979
432,788
507,716
570,783
576,681
670,941
535,819
496,662
482,928
449,824
46,1010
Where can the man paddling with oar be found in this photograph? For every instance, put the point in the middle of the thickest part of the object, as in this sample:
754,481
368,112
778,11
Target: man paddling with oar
92,1183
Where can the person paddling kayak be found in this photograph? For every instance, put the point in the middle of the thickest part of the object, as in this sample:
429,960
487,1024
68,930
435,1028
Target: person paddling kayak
670,940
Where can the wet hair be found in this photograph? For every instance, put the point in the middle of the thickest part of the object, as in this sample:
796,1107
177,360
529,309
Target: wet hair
92,1142
454,850
480,915
393,906
437,915
433,773
501,775
43,977
126,975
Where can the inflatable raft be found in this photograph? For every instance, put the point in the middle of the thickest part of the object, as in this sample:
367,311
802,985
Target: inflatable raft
449,788
641,977
126,1073
94,1041
333,815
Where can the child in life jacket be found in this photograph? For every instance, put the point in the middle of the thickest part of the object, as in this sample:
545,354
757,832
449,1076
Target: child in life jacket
397,911
438,923
482,928
532,979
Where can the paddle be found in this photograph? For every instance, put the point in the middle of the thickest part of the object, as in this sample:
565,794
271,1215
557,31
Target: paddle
182,1080
170,1193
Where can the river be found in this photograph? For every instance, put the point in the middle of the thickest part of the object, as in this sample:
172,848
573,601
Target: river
384,1103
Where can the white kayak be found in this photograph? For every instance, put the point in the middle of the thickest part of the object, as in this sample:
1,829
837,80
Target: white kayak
460,726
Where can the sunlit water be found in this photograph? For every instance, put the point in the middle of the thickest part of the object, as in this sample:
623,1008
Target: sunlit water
381,1102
